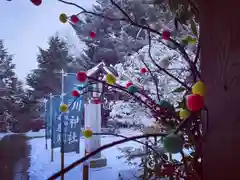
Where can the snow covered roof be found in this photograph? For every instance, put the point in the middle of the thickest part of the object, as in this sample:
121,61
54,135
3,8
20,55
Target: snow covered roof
102,68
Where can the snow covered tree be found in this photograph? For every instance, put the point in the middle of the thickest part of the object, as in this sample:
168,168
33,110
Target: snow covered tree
115,39
12,93
219,71
47,77
177,31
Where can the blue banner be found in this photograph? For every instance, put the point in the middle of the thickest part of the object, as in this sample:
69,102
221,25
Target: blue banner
73,122
74,119
55,117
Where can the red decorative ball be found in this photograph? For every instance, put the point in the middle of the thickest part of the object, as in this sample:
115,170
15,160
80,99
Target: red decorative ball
96,101
82,76
74,19
195,102
143,70
166,35
75,93
92,34
36,2
129,84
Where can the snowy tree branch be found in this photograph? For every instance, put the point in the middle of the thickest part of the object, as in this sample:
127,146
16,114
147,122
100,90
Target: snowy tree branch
89,12
148,146
155,80
160,68
129,20
197,53
140,100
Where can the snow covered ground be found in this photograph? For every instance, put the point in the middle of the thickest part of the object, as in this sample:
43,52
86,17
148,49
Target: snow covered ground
41,133
41,166
4,134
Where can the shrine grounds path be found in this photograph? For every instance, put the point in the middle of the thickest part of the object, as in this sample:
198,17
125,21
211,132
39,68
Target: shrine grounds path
14,157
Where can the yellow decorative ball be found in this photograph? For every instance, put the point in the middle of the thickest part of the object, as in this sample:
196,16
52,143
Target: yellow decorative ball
87,133
184,114
63,18
63,108
199,88
111,79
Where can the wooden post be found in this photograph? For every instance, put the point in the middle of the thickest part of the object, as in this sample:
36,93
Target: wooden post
62,165
51,154
86,171
46,124
46,145
62,127
52,123
62,145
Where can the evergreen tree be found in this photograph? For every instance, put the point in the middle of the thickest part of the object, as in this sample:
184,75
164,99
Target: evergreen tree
12,93
47,77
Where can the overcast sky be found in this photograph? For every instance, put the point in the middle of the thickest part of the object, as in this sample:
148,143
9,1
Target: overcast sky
25,26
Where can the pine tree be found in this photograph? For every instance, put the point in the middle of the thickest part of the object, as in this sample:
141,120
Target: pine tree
47,78
11,91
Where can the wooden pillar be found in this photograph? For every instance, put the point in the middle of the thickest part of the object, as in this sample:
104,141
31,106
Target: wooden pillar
220,70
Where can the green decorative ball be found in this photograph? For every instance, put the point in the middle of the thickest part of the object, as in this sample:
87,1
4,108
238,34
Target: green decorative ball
90,87
165,104
173,143
87,133
79,88
132,89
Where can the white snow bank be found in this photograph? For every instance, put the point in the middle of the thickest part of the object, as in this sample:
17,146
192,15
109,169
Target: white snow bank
2,135
40,133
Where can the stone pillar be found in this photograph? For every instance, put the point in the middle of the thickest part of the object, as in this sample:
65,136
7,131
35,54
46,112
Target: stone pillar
93,119
93,122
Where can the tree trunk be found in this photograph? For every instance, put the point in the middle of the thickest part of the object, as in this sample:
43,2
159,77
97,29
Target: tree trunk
220,66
